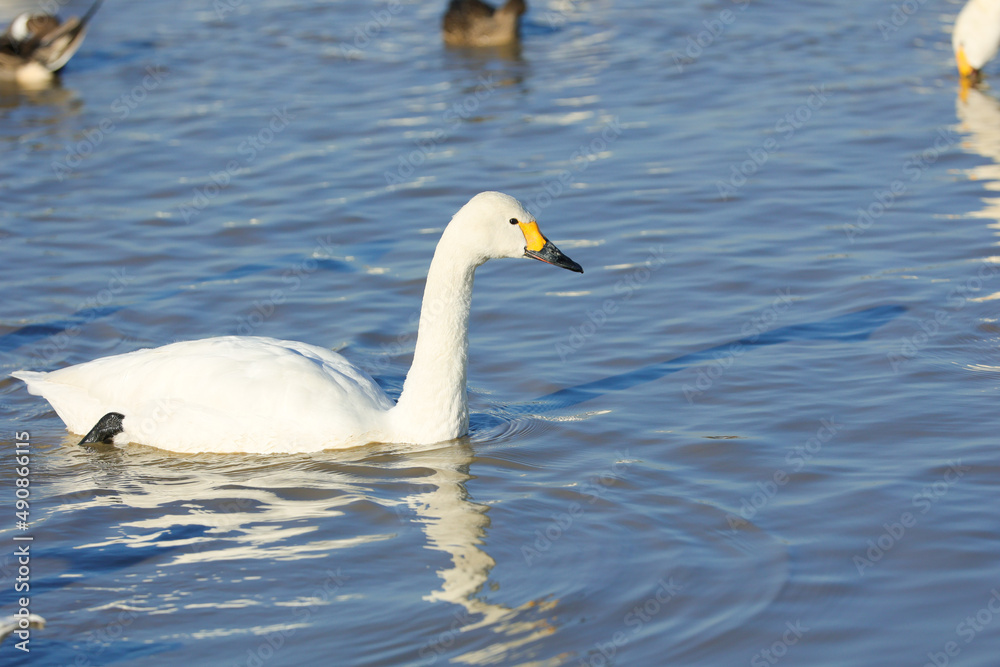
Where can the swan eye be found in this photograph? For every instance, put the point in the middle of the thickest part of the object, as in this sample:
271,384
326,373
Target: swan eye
513,221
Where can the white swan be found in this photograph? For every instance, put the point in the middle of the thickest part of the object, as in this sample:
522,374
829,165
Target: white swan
261,395
976,37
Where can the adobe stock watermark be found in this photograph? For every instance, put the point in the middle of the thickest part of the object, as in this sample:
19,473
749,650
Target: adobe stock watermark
272,642
779,649
100,640
292,280
967,630
142,427
433,648
365,34
895,531
595,320
429,310
636,619
455,115
900,16
909,347
120,109
785,128
724,360
223,7
796,458
580,160
88,310
558,17
594,489
913,169
52,6
23,619
249,148
703,39
161,412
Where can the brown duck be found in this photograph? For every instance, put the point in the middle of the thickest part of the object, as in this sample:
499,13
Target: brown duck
36,46
475,23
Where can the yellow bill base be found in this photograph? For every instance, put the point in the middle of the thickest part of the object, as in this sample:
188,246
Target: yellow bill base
964,68
533,239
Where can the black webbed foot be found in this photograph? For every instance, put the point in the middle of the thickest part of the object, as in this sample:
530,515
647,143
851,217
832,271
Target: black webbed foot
106,429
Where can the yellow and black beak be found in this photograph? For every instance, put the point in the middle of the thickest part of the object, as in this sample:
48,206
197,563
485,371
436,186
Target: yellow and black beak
538,247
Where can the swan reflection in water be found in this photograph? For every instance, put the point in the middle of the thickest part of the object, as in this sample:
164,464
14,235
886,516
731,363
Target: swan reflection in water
978,115
457,526
198,511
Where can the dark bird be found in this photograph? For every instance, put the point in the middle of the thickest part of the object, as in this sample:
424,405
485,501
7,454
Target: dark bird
36,46
475,23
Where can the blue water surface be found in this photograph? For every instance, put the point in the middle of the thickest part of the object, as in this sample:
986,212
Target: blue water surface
759,428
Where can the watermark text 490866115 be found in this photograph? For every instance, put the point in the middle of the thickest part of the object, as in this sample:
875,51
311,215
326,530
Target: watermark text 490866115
24,619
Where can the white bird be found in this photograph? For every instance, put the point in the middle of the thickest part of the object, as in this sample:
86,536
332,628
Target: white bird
13,623
261,395
976,37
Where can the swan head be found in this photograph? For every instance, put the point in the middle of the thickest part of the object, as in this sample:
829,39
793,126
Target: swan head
494,225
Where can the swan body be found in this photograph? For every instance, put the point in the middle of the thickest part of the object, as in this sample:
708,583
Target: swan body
475,23
262,395
253,393
976,37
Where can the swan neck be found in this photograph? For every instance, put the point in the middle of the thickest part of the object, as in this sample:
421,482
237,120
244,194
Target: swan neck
433,405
